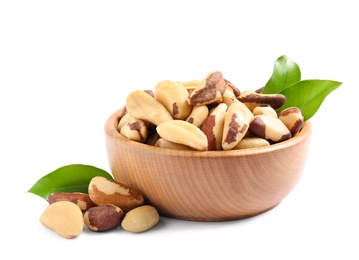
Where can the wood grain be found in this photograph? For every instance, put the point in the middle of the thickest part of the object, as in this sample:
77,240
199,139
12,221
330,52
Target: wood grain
208,185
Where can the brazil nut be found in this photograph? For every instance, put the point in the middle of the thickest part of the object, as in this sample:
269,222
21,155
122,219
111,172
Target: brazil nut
198,115
105,191
212,127
236,123
173,96
135,130
293,119
142,106
269,128
253,99
209,90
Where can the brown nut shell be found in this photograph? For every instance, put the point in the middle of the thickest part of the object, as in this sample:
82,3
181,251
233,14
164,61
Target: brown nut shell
253,99
232,88
82,200
103,217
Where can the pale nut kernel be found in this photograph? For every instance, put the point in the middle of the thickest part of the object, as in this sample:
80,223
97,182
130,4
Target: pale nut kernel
144,107
198,115
236,123
140,219
212,127
163,143
82,200
135,130
105,191
265,110
269,128
252,99
103,217
190,83
124,120
293,119
251,142
232,88
173,96
209,90
183,132
228,97
63,217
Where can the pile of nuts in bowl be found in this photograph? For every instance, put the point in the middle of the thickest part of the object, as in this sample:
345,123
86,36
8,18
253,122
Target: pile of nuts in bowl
108,205
207,115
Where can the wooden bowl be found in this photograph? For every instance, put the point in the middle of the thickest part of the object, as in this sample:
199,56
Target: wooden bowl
208,185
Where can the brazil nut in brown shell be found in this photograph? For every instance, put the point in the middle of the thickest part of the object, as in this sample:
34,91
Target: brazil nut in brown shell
103,217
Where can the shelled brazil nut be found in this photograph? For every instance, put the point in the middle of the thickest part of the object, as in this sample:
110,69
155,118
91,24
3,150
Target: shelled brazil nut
208,114
105,207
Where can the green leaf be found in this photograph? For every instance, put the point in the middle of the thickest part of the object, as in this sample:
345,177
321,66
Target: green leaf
308,95
69,178
285,73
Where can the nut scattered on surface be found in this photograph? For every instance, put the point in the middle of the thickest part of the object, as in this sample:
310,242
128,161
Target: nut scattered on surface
140,219
103,217
82,200
105,191
63,217
103,209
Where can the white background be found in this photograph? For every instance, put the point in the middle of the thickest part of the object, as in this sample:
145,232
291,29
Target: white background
65,66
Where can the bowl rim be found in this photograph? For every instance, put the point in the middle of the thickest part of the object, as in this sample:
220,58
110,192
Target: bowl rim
112,130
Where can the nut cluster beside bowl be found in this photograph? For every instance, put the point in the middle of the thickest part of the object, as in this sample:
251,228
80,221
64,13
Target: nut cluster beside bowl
204,150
